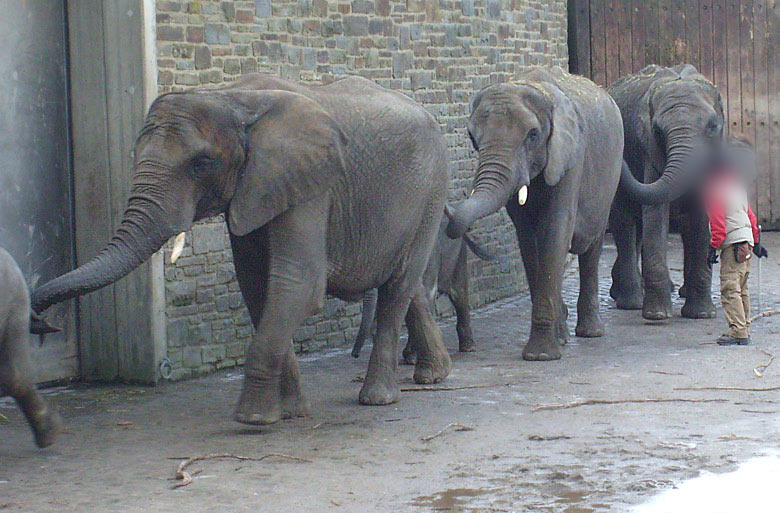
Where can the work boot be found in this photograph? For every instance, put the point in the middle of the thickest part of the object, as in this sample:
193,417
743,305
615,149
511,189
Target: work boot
730,340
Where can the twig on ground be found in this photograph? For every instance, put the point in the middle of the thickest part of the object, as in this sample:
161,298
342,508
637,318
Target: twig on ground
761,411
667,373
3,418
592,402
737,389
760,369
315,426
440,388
458,427
764,314
542,438
186,477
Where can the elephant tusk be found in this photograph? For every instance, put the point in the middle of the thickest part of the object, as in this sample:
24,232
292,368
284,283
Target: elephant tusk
178,247
522,195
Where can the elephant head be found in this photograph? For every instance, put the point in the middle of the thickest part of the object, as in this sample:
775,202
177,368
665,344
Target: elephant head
520,130
678,128
250,154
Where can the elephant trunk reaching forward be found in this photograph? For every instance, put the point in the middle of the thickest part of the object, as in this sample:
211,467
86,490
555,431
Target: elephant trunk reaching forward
550,149
336,188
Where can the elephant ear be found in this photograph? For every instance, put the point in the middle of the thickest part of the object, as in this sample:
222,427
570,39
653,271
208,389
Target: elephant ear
294,153
565,147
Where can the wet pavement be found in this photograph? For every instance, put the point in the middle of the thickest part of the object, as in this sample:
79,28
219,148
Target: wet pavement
487,448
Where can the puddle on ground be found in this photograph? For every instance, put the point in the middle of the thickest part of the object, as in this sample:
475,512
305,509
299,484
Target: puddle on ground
450,499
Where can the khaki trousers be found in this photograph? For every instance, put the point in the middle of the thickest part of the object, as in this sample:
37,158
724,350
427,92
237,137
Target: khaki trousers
734,292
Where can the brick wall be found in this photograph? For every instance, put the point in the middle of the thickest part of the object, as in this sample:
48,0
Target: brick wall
439,52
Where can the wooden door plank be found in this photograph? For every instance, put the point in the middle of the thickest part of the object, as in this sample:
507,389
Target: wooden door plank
93,227
720,50
579,36
693,43
773,100
639,22
625,33
652,23
598,43
706,57
733,56
612,40
761,140
678,39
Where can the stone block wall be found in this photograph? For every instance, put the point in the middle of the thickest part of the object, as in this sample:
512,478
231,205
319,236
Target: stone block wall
438,52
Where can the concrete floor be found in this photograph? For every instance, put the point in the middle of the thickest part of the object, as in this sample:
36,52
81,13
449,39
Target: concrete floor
123,443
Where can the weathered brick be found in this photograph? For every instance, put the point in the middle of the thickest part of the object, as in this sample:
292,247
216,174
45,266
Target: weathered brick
217,33
202,57
436,52
356,25
263,8
169,33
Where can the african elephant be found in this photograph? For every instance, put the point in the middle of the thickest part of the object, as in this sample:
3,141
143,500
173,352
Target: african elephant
550,148
301,172
673,122
447,273
16,373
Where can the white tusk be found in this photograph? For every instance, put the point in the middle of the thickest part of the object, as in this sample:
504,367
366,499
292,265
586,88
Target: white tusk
522,195
178,247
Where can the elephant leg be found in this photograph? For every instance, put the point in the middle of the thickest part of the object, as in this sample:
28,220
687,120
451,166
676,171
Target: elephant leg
459,296
698,274
294,290
588,320
366,320
380,386
545,274
433,361
657,304
561,323
626,287
16,380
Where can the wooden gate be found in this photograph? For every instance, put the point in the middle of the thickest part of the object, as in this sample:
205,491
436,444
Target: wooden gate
735,43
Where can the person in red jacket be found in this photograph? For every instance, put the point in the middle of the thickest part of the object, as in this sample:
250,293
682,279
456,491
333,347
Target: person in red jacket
735,232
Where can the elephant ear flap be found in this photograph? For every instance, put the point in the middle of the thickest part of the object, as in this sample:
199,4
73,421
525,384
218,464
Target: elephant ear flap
565,147
294,154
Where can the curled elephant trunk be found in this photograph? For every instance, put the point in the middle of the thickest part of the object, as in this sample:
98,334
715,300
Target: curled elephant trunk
493,185
143,230
681,170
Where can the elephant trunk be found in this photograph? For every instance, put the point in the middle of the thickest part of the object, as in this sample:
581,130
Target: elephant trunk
493,185
143,230
672,183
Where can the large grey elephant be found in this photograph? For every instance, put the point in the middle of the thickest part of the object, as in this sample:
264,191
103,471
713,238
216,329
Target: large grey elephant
673,122
336,188
16,372
550,148
447,273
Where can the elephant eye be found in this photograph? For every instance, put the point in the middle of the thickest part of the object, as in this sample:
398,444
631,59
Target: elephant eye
659,135
713,129
533,136
202,165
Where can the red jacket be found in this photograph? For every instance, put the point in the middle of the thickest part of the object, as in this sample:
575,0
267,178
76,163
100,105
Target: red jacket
731,218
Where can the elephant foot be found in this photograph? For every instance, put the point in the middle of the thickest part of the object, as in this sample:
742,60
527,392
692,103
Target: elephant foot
656,311
698,308
432,369
409,355
465,339
260,402
589,326
626,300
541,347
47,428
380,390
295,406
